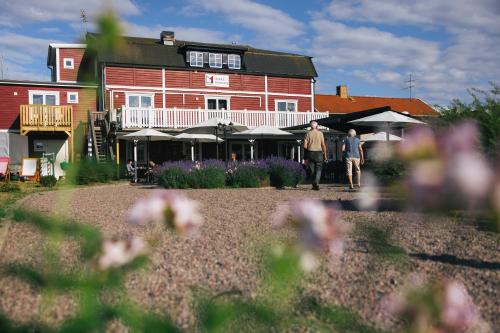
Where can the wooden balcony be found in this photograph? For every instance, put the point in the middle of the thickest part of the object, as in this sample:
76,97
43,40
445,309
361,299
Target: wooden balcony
46,118
183,118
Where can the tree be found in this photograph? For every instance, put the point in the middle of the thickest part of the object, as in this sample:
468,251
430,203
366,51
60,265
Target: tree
485,110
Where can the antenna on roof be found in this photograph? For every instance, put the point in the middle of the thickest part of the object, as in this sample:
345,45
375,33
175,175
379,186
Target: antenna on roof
410,85
1,67
83,18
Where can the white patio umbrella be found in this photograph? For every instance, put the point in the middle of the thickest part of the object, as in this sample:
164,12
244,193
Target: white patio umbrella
211,126
380,136
387,119
194,138
261,132
147,135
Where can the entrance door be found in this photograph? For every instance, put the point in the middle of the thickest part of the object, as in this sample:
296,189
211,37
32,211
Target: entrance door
287,150
217,103
241,151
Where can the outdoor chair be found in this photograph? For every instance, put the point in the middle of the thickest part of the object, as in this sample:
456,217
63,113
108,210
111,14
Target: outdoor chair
5,168
30,169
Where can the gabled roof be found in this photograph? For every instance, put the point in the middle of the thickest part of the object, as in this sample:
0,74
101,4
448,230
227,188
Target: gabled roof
339,105
150,52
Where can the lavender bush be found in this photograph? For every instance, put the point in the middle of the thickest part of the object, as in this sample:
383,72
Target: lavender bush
284,173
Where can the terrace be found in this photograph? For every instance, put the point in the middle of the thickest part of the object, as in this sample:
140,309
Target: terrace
131,117
46,118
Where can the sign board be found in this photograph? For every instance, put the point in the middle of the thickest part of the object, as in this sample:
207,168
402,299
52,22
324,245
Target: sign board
38,146
29,167
217,80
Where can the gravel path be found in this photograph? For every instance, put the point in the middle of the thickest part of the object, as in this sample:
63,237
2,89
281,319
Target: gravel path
237,226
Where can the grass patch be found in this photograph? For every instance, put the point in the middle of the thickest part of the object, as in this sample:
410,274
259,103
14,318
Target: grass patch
379,245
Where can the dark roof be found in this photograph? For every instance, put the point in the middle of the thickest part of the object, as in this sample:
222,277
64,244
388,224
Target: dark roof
48,83
150,52
338,105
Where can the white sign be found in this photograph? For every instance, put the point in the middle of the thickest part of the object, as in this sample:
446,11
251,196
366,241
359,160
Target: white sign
217,80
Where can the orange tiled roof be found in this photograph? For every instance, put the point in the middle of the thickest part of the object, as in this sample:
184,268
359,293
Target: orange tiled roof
336,104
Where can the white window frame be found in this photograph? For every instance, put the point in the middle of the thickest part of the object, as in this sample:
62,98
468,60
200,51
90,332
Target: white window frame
215,60
72,93
231,61
72,66
152,95
217,97
44,93
196,56
287,101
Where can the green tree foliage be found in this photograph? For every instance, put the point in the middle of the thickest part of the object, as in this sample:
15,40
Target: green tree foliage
485,110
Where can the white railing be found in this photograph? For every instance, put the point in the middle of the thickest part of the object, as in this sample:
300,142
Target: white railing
184,118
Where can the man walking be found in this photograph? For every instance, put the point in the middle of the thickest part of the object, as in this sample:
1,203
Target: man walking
353,154
315,151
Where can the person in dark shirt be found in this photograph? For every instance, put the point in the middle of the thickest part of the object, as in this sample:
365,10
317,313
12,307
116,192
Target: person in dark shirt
353,154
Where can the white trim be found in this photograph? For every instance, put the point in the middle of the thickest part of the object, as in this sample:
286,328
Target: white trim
313,109
296,102
68,94
66,81
58,74
152,95
195,54
49,84
218,97
72,66
163,100
43,92
113,86
68,45
215,56
266,93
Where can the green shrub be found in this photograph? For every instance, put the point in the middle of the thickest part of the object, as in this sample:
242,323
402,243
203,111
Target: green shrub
249,176
89,171
388,172
207,177
65,166
174,178
284,173
48,181
9,187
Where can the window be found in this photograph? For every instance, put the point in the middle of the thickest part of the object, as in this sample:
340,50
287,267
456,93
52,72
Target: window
215,60
286,106
196,59
139,100
234,61
217,103
72,97
44,97
69,63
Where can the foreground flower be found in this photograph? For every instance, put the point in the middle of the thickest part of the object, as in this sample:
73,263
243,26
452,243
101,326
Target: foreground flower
442,307
319,225
172,209
117,253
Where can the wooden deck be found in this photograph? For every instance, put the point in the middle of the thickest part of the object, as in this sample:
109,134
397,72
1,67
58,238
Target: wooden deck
46,118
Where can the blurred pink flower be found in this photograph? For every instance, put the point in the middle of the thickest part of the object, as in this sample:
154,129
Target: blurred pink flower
472,174
463,137
459,311
419,142
319,225
117,253
175,210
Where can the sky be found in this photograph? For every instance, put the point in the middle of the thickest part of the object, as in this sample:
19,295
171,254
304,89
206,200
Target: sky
372,46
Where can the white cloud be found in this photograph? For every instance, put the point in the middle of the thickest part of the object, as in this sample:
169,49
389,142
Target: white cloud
270,25
450,14
13,71
463,53
181,32
22,49
20,12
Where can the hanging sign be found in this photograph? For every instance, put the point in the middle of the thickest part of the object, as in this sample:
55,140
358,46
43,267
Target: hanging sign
216,80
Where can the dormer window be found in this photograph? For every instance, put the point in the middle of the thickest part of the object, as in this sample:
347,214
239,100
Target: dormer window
196,59
69,63
233,61
215,60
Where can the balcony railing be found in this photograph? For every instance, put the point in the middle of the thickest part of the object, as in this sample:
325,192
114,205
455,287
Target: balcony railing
38,117
184,118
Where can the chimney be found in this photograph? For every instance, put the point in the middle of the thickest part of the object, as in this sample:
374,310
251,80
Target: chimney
342,91
167,38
